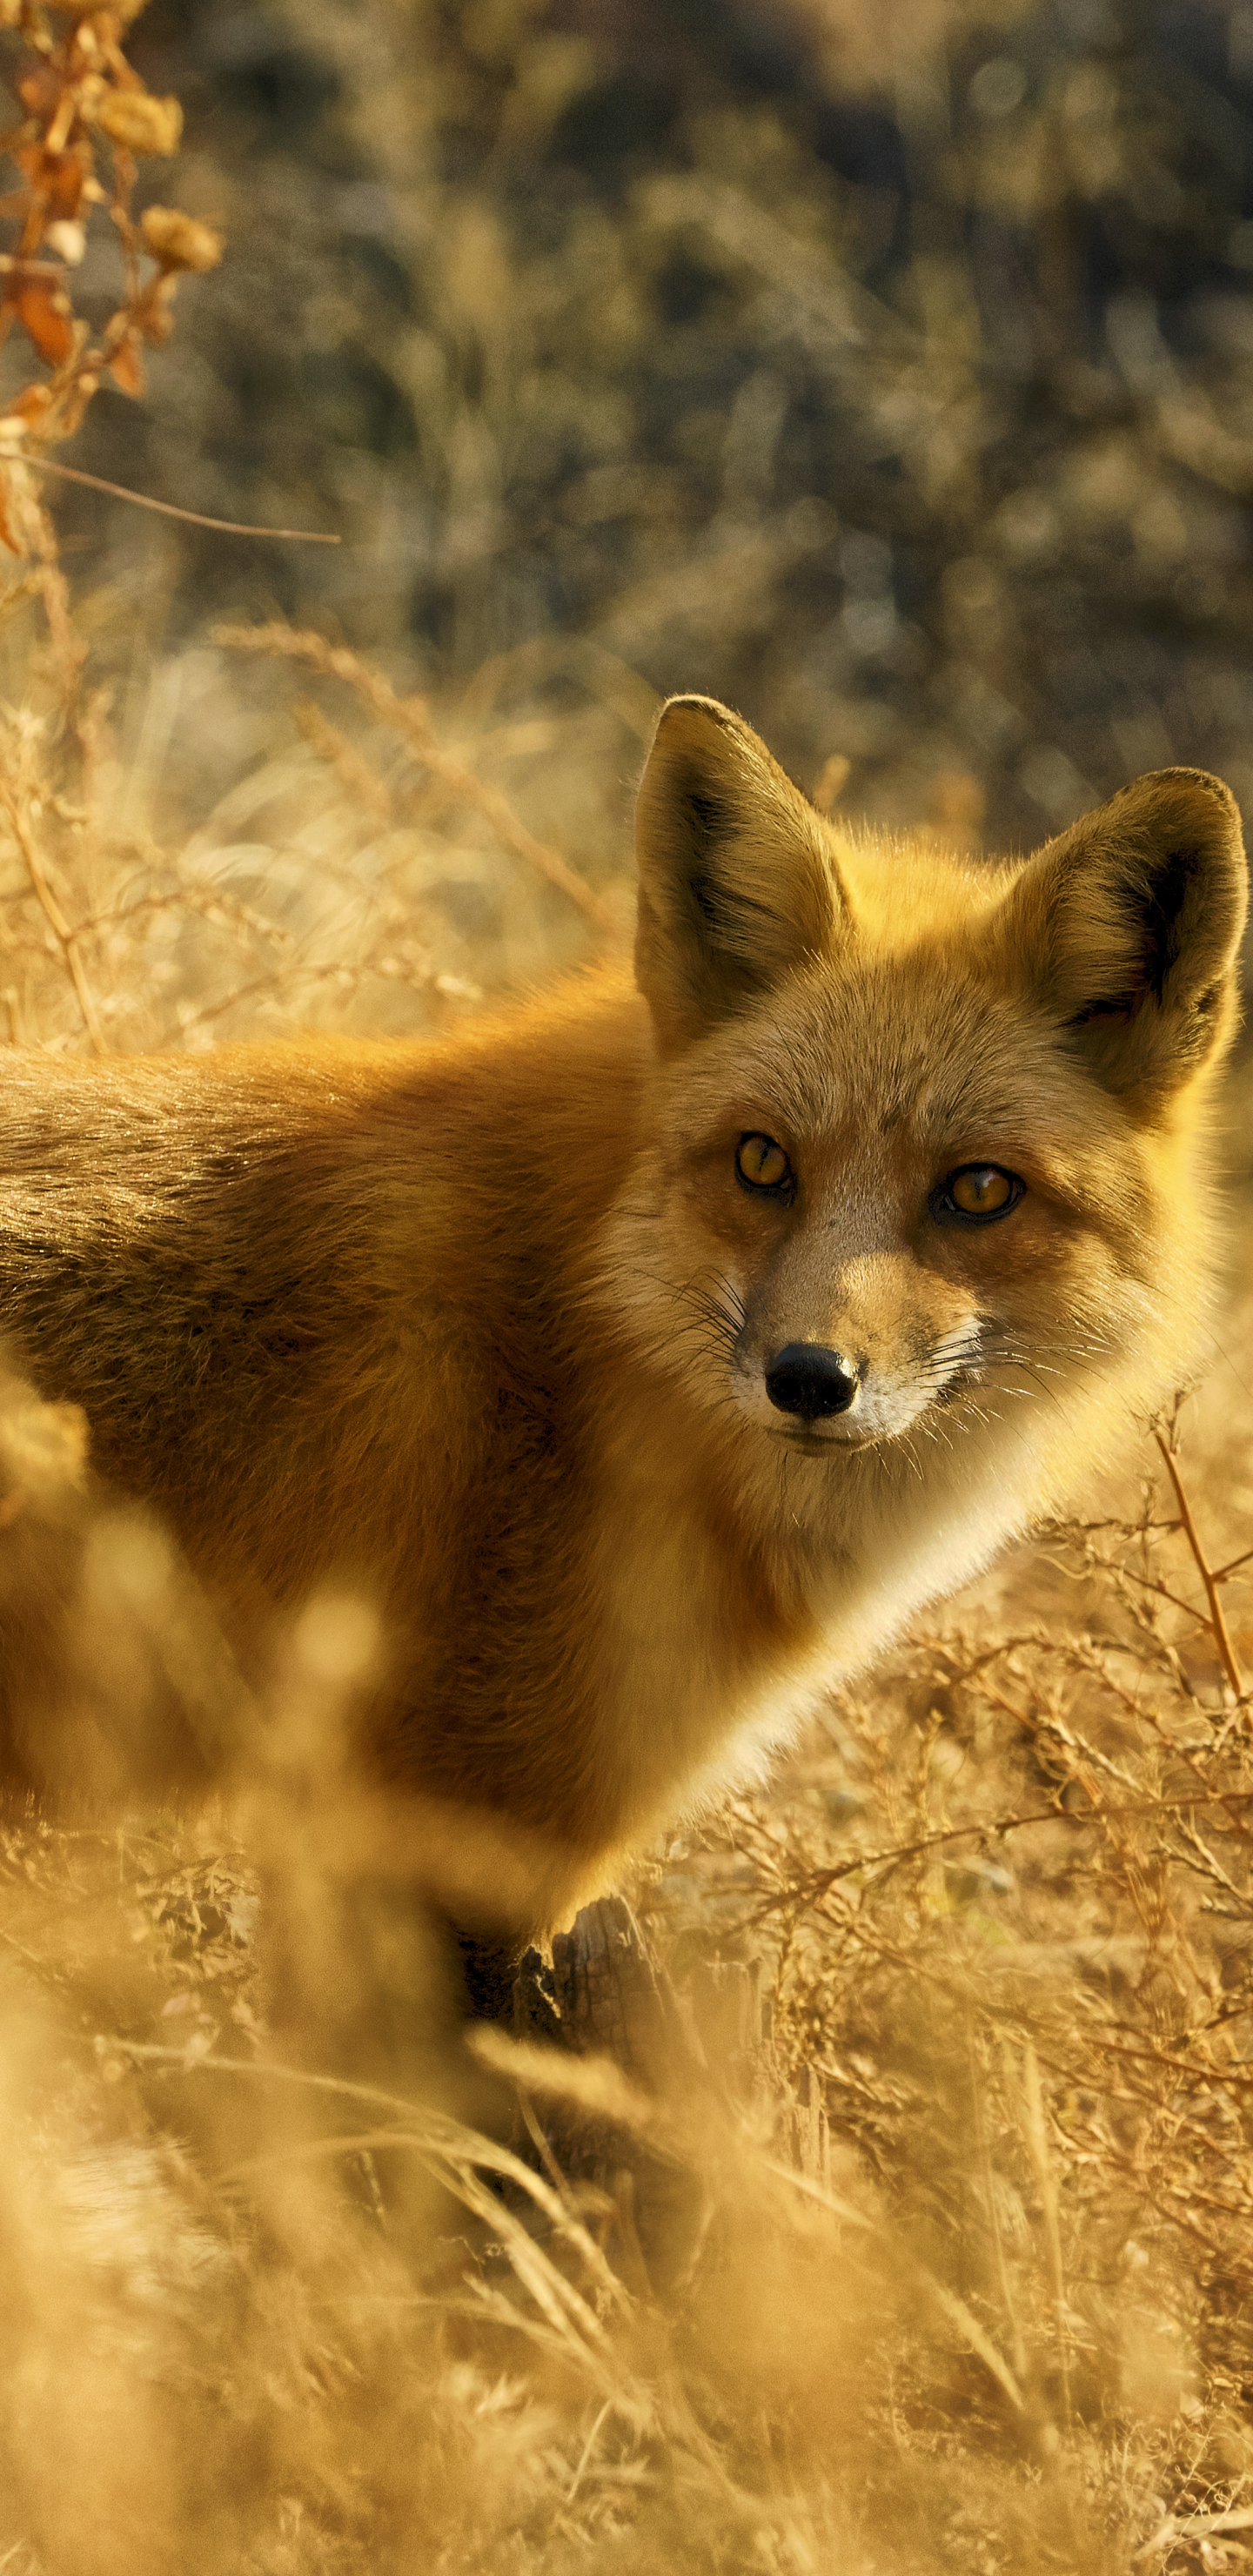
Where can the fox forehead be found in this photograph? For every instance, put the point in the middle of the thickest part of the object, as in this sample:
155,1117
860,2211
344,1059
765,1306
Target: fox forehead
913,1045
905,897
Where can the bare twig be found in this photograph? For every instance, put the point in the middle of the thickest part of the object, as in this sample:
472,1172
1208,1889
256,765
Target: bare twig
1221,1572
166,509
810,1891
65,937
1204,1569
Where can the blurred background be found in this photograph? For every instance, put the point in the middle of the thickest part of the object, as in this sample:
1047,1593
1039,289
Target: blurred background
884,369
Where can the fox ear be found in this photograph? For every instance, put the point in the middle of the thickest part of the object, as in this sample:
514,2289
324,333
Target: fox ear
738,883
1131,924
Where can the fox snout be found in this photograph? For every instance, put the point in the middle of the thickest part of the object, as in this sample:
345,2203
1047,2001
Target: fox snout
885,1340
808,1380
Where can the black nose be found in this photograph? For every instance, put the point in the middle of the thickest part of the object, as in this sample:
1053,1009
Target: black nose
811,1381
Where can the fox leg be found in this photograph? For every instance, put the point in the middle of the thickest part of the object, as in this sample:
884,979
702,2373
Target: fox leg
489,1966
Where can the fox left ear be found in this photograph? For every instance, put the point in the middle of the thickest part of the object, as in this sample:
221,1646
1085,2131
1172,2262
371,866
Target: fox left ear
1131,923
738,881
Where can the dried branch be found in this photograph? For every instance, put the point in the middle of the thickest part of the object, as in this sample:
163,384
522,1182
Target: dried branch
988,1829
1204,1569
65,937
165,509
86,110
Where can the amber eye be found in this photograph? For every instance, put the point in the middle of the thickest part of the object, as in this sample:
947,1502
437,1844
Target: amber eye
761,1164
979,1190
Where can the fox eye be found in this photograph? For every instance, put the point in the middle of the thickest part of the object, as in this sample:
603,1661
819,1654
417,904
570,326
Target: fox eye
761,1164
978,1192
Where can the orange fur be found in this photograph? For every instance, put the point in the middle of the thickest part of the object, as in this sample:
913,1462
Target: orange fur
476,1331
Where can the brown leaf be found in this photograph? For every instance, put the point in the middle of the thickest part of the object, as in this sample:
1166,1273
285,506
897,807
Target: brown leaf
44,313
7,537
178,240
156,320
40,91
31,404
126,367
58,176
139,122
75,405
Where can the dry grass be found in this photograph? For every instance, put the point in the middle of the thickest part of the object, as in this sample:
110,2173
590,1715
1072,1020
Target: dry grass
942,2261
997,2316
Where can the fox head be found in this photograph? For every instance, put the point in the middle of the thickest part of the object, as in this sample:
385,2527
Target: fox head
922,1133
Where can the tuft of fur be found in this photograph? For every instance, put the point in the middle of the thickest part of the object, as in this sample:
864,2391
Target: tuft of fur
467,1342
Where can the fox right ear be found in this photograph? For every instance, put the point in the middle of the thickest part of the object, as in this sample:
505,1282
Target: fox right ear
738,882
1130,923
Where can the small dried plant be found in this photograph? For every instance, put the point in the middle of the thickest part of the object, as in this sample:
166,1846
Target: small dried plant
88,122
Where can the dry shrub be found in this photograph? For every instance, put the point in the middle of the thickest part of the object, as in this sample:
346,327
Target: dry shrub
1009,1908
86,109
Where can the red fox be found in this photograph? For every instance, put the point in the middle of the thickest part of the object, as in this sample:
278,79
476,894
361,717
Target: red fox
646,1355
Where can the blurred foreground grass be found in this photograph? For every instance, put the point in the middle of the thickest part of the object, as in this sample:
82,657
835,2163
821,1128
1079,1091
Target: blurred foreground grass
999,1905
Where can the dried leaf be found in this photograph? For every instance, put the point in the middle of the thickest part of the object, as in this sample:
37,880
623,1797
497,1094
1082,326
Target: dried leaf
44,313
40,91
75,405
69,241
60,177
7,537
31,404
126,367
177,240
141,123
156,320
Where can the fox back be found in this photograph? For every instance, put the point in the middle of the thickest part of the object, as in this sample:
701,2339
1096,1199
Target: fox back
636,1362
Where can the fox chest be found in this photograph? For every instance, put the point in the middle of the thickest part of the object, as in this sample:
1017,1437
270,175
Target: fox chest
703,1672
